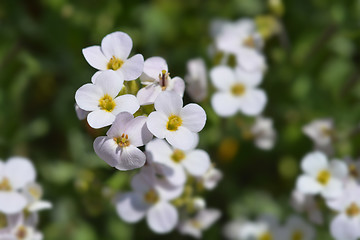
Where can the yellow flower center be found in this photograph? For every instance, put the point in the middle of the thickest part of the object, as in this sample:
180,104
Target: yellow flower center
297,235
178,155
115,63
107,103
266,236
238,89
173,123
353,210
323,177
249,42
122,141
35,192
21,232
151,196
5,185
3,221
164,79
353,171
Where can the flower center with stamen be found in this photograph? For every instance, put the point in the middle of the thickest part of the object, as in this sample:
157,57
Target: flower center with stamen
122,141
173,123
3,221
265,236
151,196
238,89
35,192
323,177
353,210
115,63
21,232
249,42
107,103
297,235
353,171
164,79
5,185
178,155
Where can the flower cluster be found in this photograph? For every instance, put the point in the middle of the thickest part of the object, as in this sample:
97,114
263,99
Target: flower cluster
167,189
20,200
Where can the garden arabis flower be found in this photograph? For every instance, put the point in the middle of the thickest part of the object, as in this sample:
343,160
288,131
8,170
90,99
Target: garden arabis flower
102,101
297,229
120,147
113,55
264,133
19,228
175,123
196,79
321,132
211,178
34,192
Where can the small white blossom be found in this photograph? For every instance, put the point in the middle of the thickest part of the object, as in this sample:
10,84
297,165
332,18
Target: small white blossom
175,123
33,193
237,91
306,203
321,176
354,169
101,99
321,131
297,229
196,79
211,178
120,147
156,78
264,133
113,55
18,228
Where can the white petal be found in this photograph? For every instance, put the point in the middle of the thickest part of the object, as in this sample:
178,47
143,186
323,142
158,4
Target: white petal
107,149
116,44
148,94
19,171
178,86
197,162
338,169
88,96
95,76
308,185
143,181
167,191
251,60
224,104
222,77
211,178
126,103
193,117
11,202
129,207
118,126
39,205
156,124
253,102
207,217
182,138
333,189
131,158
313,163
251,79
80,113
162,217
110,82
159,149
95,57
133,67
100,118
2,169
344,228
168,102
154,66
138,132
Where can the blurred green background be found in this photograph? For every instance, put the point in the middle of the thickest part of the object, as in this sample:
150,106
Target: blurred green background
313,72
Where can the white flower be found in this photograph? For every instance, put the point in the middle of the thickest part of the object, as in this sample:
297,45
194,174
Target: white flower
33,193
211,178
100,99
171,163
15,174
321,132
174,122
320,176
354,169
264,133
148,199
120,147
237,91
199,223
113,55
81,114
346,225
156,79
297,229
19,229
196,79
306,203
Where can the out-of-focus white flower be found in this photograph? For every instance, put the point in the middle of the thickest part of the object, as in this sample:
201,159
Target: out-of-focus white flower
196,79
100,99
237,91
306,203
321,132
211,178
81,114
354,169
19,229
120,147
156,79
346,224
15,174
199,203
320,176
148,199
33,193
297,229
175,123
199,223
113,55
171,162
264,133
